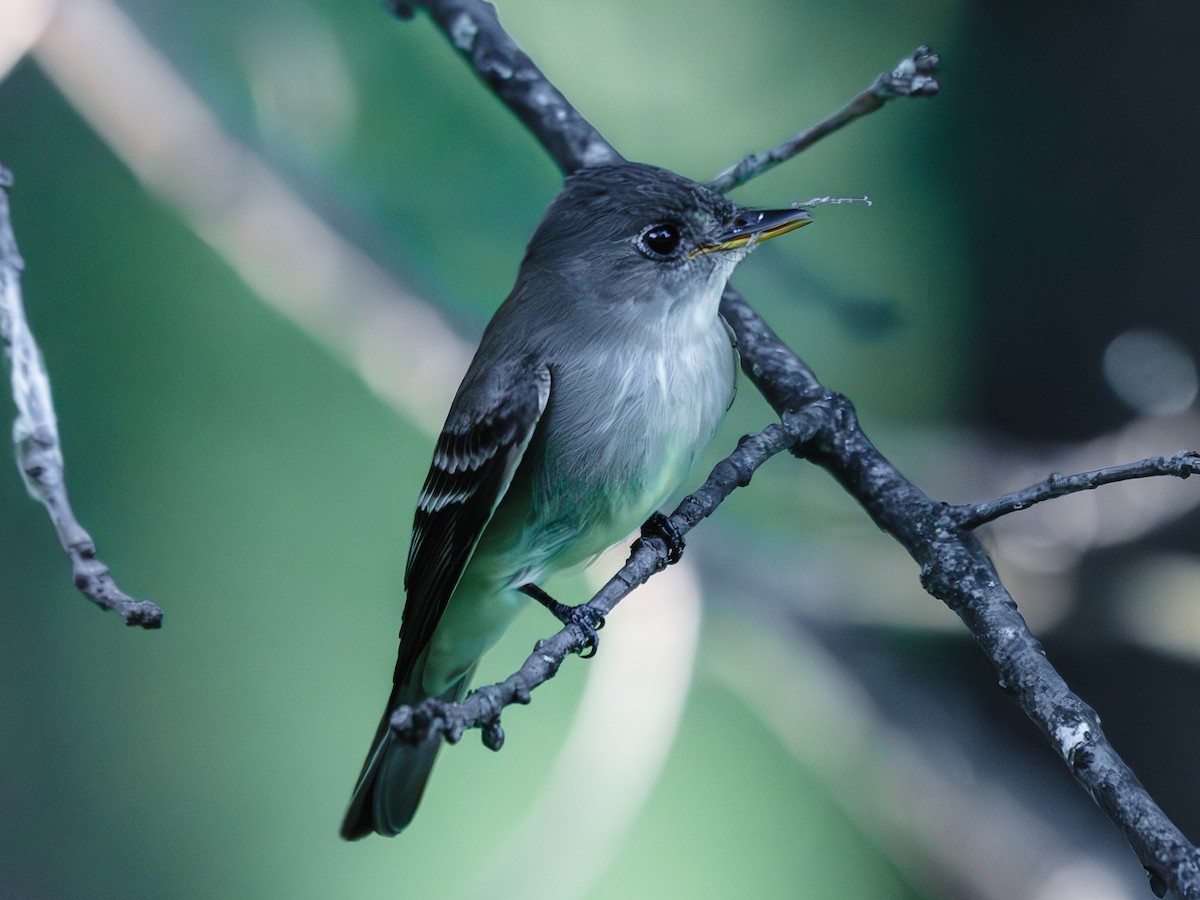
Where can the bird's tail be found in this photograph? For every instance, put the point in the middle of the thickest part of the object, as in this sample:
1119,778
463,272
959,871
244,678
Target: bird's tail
394,775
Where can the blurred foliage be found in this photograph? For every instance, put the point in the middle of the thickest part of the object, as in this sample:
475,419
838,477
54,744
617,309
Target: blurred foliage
231,470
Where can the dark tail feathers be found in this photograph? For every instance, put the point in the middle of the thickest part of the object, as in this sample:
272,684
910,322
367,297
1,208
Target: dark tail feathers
390,786
394,775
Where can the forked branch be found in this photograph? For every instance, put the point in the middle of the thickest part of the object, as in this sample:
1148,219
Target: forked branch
821,426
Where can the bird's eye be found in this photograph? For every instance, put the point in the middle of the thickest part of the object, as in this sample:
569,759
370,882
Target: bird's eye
661,241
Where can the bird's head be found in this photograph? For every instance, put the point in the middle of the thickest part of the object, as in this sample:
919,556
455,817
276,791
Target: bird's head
632,235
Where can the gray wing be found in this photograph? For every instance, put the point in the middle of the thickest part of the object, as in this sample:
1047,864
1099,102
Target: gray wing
489,426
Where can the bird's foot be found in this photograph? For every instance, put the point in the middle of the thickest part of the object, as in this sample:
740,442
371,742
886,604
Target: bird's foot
583,617
659,526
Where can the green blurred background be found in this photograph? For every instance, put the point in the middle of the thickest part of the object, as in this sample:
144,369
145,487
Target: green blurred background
840,736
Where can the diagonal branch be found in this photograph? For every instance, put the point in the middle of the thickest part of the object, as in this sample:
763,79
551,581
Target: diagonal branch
914,76
822,426
35,433
957,570
650,555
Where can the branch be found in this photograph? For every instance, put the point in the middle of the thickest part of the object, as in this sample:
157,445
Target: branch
650,555
472,28
1182,465
35,433
956,569
914,76
822,426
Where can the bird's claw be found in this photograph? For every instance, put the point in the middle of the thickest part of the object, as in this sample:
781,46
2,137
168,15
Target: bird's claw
589,622
583,617
661,527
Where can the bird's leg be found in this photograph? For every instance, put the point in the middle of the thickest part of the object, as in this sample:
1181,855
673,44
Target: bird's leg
582,617
660,526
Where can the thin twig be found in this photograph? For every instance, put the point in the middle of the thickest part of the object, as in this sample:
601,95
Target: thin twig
35,433
971,515
914,76
831,201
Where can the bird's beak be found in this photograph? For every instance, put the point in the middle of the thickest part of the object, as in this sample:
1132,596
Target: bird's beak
753,226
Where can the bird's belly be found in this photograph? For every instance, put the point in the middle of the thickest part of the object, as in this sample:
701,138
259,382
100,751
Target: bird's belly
480,610
604,458
620,504
613,456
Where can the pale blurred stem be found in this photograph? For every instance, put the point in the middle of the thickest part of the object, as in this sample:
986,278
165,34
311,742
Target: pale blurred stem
822,427
35,434
971,515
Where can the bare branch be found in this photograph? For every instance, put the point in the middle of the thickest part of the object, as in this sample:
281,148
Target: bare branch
35,434
1182,465
914,76
472,27
956,569
482,707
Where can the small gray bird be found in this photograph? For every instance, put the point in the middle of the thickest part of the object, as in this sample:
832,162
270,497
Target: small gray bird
597,383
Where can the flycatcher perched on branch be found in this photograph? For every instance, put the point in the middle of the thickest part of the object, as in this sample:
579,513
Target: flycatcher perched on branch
597,383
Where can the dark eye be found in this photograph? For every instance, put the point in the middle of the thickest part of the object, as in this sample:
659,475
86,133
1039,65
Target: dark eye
662,240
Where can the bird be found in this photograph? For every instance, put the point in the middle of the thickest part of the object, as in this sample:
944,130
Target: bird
598,381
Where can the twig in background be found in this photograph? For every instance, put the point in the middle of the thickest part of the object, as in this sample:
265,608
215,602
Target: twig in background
35,434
